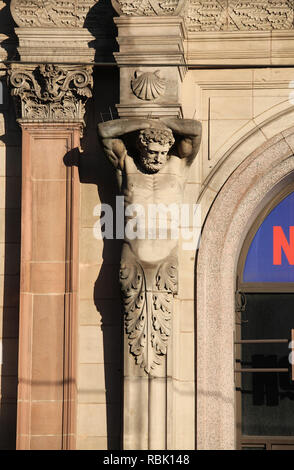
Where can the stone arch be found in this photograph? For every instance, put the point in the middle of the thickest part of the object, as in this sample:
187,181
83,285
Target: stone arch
245,193
256,132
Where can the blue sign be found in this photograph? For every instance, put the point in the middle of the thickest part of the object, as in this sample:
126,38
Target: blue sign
270,257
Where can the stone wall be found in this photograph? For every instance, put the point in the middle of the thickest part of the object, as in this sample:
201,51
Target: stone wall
241,113
10,202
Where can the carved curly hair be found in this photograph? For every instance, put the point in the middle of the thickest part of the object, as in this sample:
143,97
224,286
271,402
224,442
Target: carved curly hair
160,136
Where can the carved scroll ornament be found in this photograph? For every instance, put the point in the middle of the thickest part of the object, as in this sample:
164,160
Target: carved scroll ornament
51,93
148,7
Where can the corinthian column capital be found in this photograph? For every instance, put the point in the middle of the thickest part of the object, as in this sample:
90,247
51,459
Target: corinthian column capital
51,93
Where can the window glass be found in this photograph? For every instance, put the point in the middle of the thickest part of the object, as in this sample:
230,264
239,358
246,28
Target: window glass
267,398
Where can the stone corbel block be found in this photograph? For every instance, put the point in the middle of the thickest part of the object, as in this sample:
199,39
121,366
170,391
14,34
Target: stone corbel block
152,65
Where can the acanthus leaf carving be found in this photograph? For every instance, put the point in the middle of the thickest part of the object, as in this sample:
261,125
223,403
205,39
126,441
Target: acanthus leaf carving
148,313
133,288
51,92
167,285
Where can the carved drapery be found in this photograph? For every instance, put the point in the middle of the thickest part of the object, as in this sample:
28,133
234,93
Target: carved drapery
51,93
147,294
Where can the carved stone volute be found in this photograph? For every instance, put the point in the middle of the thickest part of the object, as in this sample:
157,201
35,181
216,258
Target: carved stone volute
51,93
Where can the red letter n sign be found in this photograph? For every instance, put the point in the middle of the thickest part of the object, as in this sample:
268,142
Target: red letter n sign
280,243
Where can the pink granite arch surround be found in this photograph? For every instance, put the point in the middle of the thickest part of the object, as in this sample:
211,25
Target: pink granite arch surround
256,181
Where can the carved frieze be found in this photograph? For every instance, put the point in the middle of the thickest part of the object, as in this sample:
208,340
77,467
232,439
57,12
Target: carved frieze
200,15
56,13
51,93
239,15
148,7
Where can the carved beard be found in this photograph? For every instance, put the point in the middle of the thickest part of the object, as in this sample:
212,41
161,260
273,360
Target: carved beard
149,166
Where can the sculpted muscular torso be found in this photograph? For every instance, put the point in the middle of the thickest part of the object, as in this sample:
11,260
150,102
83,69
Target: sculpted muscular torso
156,171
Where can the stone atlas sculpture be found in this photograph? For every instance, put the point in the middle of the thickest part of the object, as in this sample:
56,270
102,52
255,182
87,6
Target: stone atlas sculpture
152,159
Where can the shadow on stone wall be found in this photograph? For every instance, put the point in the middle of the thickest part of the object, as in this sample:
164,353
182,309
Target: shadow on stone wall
99,22
8,48
10,178
95,169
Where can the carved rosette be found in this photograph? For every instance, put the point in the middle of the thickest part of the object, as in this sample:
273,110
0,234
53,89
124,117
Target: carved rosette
148,7
148,312
51,93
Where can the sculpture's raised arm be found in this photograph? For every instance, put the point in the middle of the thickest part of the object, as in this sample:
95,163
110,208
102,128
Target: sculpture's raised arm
189,132
120,127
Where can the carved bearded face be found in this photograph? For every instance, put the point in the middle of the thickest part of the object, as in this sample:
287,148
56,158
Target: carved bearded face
153,156
154,144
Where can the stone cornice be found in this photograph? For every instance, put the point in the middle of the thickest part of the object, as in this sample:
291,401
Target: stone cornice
51,93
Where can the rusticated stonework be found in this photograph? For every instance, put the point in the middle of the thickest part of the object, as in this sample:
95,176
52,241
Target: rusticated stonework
58,13
51,93
235,15
148,7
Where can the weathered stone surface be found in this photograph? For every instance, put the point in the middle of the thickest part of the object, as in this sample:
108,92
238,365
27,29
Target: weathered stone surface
232,15
256,181
148,274
148,7
70,13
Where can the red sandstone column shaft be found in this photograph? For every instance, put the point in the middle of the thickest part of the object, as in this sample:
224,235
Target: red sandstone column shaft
52,101
48,288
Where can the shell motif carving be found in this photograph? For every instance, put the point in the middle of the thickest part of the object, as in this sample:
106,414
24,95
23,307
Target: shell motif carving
148,85
148,7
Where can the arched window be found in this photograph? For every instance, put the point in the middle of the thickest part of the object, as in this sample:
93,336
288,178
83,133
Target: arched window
264,324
